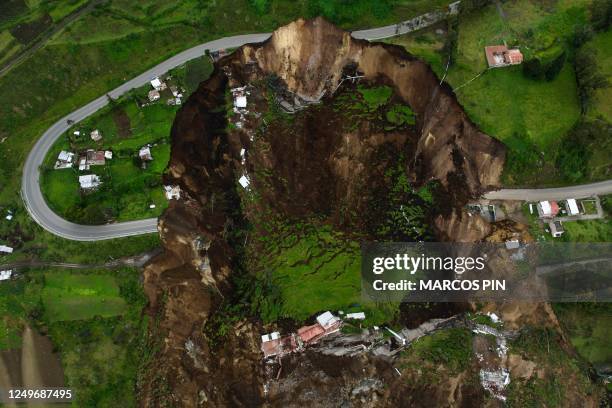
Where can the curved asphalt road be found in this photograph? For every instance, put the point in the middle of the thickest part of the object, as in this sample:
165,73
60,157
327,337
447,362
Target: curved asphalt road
44,216
560,193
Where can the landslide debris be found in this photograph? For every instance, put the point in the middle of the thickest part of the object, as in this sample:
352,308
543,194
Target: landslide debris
308,152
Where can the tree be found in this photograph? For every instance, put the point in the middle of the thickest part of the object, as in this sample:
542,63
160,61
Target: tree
588,77
582,34
601,14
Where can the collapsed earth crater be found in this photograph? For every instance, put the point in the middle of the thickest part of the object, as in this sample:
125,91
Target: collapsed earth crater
338,141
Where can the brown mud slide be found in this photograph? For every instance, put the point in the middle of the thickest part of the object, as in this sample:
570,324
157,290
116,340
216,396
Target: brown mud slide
317,171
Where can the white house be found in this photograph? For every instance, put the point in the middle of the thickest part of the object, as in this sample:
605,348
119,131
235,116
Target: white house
108,154
6,249
145,153
89,181
6,275
240,102
356,316
154,95
64,160
572,207
513,244
327,320
156,83
244,181
556,228
172,192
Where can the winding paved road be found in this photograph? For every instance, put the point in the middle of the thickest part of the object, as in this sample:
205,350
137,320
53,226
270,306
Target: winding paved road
44,216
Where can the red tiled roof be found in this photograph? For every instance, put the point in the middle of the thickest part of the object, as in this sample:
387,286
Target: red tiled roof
310,333
514,57
554,208
490,52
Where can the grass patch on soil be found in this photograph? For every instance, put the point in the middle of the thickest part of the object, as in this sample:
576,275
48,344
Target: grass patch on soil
311,269
450,347
559,371
589,326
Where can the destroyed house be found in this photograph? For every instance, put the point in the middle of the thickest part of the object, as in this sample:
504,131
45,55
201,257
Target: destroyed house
95,158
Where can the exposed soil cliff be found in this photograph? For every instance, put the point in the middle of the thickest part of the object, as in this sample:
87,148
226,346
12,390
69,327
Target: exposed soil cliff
188,282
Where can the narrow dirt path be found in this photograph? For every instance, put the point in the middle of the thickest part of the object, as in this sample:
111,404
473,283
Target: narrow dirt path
137,261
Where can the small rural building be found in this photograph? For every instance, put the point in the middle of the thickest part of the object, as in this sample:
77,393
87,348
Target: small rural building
89,182
217,55
548,209
83,163
274,345
572,207
240,97
556,228
356,316
501,56
328,321
513,244
145,153
6,249
176,92
172,192
310,334
158,84
154,95
244,181
240,102
108,154
95,135
95,158
64,160
6,274
271,344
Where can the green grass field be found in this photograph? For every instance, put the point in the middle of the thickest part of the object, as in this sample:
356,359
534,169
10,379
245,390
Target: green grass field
70,296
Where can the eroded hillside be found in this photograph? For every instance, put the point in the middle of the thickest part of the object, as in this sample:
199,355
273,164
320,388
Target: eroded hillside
332,127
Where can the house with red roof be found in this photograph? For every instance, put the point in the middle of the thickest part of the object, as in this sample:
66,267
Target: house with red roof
501,56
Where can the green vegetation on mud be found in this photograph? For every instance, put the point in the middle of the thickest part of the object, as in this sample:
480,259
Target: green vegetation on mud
449,347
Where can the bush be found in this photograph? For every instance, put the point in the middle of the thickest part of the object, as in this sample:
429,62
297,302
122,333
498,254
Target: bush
601,14
545,64
588,77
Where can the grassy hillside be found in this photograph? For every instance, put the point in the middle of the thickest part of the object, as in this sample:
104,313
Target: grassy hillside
531,116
